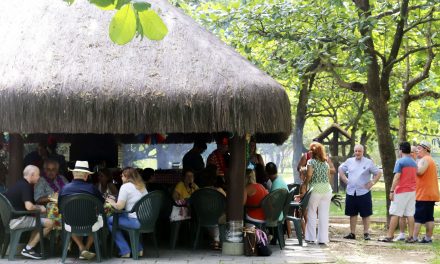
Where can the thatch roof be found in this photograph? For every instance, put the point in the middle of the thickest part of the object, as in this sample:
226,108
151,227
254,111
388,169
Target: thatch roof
331,129
60,73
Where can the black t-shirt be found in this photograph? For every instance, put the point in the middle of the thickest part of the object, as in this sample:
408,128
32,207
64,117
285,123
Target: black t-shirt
21,192
194,161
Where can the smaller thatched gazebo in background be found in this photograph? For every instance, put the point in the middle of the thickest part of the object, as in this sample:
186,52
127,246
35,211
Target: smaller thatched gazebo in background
60,73
331,137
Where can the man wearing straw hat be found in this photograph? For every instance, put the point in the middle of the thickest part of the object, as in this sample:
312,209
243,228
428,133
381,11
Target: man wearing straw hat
426,192
79,185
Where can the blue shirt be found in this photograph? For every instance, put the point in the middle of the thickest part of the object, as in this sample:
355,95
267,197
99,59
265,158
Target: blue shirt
359,174
78,186
279,183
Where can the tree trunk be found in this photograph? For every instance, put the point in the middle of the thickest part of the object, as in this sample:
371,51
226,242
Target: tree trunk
379,107
403,115
300,120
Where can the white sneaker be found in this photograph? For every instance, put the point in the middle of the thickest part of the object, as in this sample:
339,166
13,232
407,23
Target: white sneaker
400,237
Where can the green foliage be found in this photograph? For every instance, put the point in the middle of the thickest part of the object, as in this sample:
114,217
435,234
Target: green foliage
123,25
152,26
285,38
131,17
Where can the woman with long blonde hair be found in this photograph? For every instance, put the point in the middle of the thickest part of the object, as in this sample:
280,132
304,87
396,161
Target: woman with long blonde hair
132,190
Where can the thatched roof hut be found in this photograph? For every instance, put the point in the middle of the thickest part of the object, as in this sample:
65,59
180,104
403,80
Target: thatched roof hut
60,73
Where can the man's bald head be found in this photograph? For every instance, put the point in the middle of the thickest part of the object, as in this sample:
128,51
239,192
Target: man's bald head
31,173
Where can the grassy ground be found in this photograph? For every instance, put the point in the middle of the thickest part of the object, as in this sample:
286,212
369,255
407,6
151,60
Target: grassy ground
379,210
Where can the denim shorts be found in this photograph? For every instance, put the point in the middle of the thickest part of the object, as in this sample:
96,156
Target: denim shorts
361,205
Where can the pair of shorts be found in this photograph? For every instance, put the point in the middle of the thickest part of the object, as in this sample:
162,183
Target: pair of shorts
404,204
22,222
361,205
424,212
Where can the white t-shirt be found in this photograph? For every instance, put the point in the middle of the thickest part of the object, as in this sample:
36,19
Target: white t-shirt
130,195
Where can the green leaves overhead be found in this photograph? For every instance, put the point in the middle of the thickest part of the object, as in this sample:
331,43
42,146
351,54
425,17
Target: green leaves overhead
123,26
152,26
131,17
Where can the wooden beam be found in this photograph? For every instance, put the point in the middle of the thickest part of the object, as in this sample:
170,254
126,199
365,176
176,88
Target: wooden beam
16,148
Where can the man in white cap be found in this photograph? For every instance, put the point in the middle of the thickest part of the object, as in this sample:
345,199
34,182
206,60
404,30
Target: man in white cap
426,192
79,185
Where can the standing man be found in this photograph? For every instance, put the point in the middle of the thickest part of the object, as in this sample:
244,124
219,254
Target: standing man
403,192
50,183
193,159
21,196
426,192
359,183
80,185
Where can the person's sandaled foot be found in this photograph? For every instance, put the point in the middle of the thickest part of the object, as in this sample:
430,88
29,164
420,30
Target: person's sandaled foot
216,245
367,236
410,240
350,236
386,239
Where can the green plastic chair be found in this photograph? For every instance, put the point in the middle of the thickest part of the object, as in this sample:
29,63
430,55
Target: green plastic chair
289,198
147,210
80,212
302,205
11,237
207,206
273,206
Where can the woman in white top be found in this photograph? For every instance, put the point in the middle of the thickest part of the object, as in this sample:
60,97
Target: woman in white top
132,190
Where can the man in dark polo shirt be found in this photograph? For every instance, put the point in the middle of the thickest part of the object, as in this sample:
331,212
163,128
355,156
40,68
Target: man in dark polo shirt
79,185
193,159
21,196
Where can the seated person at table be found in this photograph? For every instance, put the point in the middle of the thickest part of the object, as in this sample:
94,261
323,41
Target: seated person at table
147,175
254,194
50,183
21,196
185,187
105,183
80,185
214,232
132,190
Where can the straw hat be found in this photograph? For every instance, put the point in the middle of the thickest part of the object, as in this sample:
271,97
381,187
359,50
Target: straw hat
81,166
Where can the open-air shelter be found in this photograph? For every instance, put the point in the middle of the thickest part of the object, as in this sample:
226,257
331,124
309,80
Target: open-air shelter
60,73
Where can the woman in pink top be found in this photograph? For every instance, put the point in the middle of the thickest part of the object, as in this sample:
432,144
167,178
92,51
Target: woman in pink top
254,193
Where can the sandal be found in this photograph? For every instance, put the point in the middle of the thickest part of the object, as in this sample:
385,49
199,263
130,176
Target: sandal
350,236
410,240
216,245
386,239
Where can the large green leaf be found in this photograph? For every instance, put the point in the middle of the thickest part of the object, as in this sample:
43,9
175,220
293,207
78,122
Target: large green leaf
123,26
152,25
104,4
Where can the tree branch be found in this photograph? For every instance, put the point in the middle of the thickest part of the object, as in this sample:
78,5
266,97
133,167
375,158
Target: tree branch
353,86
421,95
398,36
436,45
426,68
396,10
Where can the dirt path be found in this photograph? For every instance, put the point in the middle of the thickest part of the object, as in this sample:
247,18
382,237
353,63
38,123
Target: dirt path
360,251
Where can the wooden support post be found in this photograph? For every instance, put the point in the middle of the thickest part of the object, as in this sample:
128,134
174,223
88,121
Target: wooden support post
16,148
236,174
235,180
